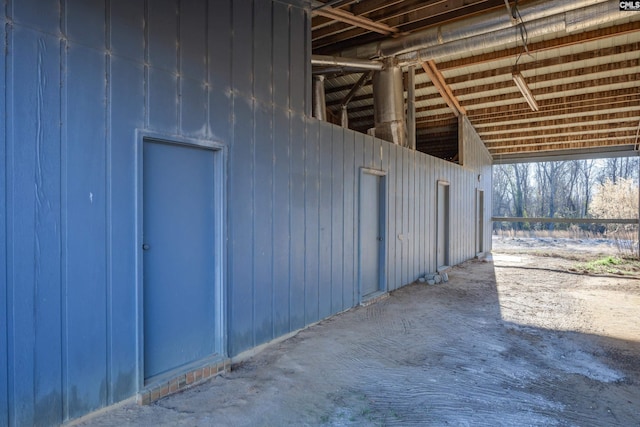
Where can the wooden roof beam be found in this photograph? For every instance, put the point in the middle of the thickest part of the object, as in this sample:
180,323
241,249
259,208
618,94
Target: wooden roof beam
585,137
593,35
357,21
437,79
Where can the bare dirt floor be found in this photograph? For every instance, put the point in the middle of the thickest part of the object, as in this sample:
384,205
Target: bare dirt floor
520,339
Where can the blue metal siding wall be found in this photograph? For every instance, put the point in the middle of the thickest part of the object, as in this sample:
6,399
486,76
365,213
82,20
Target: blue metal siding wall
78,86
4,394
81,78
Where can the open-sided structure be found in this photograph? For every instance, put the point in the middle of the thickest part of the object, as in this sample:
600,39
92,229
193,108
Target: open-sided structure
168,201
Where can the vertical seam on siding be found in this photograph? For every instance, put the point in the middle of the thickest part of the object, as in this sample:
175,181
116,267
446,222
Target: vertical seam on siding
63,213
108,204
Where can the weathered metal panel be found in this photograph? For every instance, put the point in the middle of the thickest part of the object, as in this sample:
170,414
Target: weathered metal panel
399,235
193,108
391,217
325,217
193,69
263,224
281,222
369,154
406,218
126,29
162,29
220,111
85,231
126,96
413,235
298,221
163,101
219,39
298,60
4,349
242,42
41,14
33,146
281,64
337,219
262,51
86,22
349,247
240,274
193,39
312,210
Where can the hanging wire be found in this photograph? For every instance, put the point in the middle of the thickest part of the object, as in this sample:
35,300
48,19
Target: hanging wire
524,36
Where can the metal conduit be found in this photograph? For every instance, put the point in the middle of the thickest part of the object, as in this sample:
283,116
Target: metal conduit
568,22
350,63
388,104
319,104
547,12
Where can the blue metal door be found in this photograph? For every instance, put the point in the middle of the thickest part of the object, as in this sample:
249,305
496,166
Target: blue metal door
371,233
178,255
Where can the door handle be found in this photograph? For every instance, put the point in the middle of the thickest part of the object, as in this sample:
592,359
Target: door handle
145,247
380,239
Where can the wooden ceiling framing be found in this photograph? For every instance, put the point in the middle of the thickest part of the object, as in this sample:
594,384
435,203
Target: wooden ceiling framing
586,83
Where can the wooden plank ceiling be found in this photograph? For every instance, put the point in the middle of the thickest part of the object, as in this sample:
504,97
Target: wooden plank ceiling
586,83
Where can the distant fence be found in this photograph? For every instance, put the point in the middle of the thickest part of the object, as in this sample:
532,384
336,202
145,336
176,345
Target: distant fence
567,220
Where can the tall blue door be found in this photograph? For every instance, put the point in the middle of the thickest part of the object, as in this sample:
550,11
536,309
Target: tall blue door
178,255
371,234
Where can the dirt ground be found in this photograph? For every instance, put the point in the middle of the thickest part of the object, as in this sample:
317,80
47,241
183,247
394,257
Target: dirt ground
519,339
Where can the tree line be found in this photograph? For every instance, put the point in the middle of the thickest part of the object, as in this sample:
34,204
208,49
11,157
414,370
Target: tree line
563,189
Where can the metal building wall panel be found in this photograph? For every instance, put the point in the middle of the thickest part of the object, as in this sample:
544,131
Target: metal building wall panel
193,108
126,94
33,145
413,235
299,61
281,62
220,111
349,288
263,224
262,51
41,14
369,153
193,40
297,263
281,195
193,63
219,39
337,219
242,42
85,209
359,156
162,94
312,218
162,33
325,217
423,212
126,29
406,218
85,23
391,236
240,225
399,236
220,114
4,349
44,123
